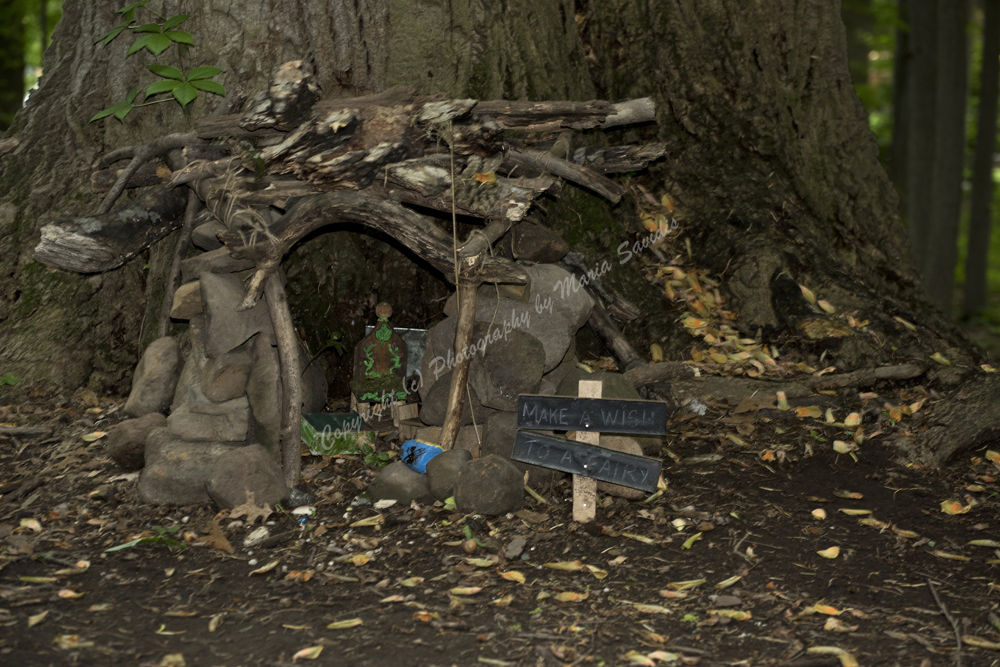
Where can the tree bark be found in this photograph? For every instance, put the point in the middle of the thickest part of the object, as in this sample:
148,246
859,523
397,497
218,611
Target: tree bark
981,198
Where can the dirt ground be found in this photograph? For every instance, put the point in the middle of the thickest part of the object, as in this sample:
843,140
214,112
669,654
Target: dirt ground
728,566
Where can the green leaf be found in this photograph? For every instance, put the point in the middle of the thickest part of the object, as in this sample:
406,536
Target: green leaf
131,94
138,44
174,21
167,72
8,378
161,87
129,10
203,72
209,87
114,32
185,94
157,44
119,111
179,36
148,27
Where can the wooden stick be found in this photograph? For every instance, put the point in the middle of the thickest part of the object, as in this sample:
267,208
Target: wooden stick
291,382
141,155
585,488
173,277
569,171
463,338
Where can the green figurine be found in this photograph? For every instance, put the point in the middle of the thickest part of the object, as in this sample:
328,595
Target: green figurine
380,362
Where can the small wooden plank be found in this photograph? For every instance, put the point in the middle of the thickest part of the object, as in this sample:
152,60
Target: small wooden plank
577,458
585,488
562,413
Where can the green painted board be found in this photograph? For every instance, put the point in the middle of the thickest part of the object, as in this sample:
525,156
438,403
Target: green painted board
329,434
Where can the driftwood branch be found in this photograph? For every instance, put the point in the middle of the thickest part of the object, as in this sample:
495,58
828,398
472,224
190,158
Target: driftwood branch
574,173
150,173
104,242
291,382
463,339
140,155
618,159
605,328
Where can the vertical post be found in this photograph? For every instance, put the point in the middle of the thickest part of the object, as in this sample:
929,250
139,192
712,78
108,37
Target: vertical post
585,488
460,375
291,381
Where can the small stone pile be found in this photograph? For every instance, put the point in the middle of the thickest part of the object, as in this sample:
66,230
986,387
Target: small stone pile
220,381
522,343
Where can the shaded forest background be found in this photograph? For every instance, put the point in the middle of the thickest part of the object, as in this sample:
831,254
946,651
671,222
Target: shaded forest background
927,73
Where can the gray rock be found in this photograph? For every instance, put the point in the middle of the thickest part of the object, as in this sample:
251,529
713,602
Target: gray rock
398,482
469,437
192,345
570,299
204,236
126,443
246,474
498,440
225,377
228,422
627,444
436,404
225,327
490,485
155,378
176,471
443,469
187,301
515,548
314,384
264,393
536,243
512,365
549,385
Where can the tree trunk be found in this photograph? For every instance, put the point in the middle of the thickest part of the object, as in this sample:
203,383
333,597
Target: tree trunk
900,109
981,199
11,60
857,15
770,161
936,140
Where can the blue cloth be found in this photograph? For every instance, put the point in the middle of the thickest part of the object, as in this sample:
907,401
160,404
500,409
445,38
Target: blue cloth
417,453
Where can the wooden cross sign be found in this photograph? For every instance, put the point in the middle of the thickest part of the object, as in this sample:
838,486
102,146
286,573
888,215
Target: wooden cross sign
588,416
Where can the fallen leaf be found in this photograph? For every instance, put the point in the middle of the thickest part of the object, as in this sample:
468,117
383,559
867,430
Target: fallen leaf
638,538
954,507
70,642
832,552
425,616
735,614
726,583
38,580
37,618
810,411
67,594
465,590
480,562
907,533
850,495
853,512
686,585
360,559
31,524
266,568
569,596
251,511
91,437
948,556
310,653
216,538
673,595
104,606
837,625
842,447
344,625
412,582
513,575
215,622
938,357
826,610
985,543
376,520
650,608
689,542
979,642
818,514
846,659
571,565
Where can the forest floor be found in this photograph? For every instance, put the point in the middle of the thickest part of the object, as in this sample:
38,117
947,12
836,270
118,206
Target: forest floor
729,566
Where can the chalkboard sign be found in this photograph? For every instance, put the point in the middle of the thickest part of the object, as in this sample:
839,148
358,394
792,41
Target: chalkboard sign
606,415
606,465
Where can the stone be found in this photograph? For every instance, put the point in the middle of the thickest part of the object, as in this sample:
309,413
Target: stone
511,365
225,327
549,384
126,443
187,301
515,548
627,444
264,394
398,482
537,243
498,439
490,485
155,378
436,404
192,345
205,236
443,469
263,389
176,471
225,377
469,437
227,422
246,474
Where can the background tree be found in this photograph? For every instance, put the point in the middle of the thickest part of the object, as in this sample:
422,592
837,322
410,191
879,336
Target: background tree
772,167
11,60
